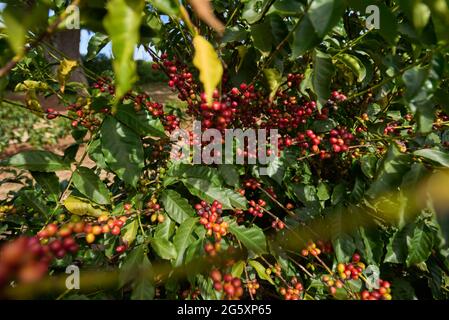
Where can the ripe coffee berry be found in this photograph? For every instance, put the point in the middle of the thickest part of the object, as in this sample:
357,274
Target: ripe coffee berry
229,285
211,219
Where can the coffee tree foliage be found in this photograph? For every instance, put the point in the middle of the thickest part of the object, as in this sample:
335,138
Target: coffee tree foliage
354,207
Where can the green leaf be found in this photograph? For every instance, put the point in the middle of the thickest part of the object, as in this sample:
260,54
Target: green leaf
195,250
209,65
254,10
143,290
203,189
183,238
131,265
97,42
343,243
354,64
164,248
338,194
234,34
90,185
322,76
82,207
437,156
397,249
304,38
414,80
96,154
229,173
41,161
393,167
260,269
388,23
29,196
368,165
252,238
182,170
165,229
122,24
176,206
344,247
122,150
261,36
305,193
130,232
325,14
141,122
322,192
48,181
238,268
420,245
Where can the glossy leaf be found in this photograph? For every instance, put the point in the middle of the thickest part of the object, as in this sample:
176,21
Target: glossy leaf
322,76
183,238
440,157
203,189
88,183
122,150
96,43
177,207
324,15
41,161
252,238
261,271
164,248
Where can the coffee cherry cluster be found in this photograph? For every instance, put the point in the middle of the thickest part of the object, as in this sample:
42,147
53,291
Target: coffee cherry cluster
212,248
104,86
192,293
337,96
293,290
252,286
211,219
231,286
340,139
154,210
383,293
315,249
179,77
90,230
278,224
351,270
276,269
51,113
332,283
294,79
170,121
251,183
255,208
24,259
85,115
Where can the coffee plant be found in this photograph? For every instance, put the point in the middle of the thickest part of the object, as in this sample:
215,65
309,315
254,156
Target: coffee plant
353,204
